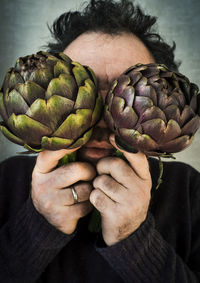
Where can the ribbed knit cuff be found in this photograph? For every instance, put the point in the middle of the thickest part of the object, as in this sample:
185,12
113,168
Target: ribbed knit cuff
29,242
140,257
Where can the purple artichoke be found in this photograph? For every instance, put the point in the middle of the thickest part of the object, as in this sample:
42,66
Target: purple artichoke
153,110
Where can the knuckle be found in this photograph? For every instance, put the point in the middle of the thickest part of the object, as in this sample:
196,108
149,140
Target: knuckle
117,162
100,181
105,179
96,182
83,191
110,159
98,199
86,170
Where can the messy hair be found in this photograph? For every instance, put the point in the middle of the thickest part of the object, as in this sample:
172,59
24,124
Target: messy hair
112,18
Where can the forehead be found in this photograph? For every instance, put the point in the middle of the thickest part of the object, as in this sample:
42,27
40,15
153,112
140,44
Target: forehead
108,55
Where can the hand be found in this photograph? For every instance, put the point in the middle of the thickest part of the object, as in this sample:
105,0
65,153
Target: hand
121,194
50,194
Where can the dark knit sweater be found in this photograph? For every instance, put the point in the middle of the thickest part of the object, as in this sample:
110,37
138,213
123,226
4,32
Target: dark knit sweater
165,248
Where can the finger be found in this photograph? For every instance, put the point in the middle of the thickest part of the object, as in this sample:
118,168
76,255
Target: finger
138,161
83,191
79,210
102,202
110,187
67,175
48,159
118,169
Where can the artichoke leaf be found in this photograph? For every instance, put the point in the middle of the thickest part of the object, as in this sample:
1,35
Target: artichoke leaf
3,111
109,119
128,95
5,84
186,115
180,98
82,140
185,88
30,91
121,84
32,149
61,67
50,59
172,112
117,107
194,102
9,135
74,125
94,79
51,112
27,129
126,119
86,96
59,108
41,77
138,141
18,64
80,73
55,143
65,58
64,86
14,79
152,113
96,114
135,77
147,91
177,144
171,132
15,103
163,99
38,112
192,126
109,99
141,104
142,82
154,128
139,67
150,71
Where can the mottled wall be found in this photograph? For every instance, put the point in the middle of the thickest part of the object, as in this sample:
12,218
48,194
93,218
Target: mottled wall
23,29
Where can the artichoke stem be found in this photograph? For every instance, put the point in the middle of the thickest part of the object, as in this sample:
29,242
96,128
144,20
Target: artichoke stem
71,157
160,174
94,225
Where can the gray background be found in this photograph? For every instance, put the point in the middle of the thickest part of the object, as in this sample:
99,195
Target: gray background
23,29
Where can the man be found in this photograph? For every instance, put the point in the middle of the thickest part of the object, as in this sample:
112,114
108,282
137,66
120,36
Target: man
147,235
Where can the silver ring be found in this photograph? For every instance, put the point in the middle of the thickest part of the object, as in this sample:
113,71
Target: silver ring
74,194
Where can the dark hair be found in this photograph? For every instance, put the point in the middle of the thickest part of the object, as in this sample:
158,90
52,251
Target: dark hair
112,18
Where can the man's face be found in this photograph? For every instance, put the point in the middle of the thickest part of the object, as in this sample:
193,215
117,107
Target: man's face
108,56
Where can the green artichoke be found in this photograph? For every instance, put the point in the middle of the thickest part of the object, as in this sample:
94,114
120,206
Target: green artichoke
49,102
153,110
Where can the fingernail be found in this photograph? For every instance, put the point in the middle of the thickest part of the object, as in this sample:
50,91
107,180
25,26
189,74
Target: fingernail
124,146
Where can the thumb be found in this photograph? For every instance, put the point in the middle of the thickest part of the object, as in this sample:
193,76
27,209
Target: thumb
138,161
48,159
